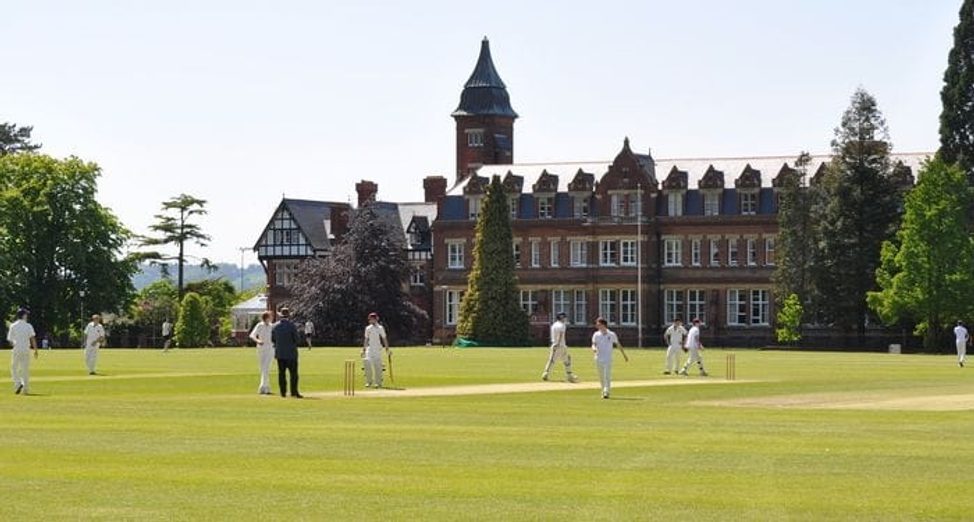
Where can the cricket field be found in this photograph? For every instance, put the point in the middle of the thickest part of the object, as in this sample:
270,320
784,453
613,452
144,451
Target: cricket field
474,435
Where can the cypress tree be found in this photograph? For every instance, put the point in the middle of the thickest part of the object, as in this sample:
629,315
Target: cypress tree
491,312
861,211
191,328
957,96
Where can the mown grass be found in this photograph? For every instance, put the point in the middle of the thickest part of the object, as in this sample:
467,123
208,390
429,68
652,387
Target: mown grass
141,443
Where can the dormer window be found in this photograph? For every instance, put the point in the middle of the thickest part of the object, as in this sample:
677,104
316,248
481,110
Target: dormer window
512,203
473,205
546,207
749,203
475,138
711,203
581,206
674,203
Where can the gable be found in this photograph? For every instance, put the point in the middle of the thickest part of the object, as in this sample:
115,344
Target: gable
283,237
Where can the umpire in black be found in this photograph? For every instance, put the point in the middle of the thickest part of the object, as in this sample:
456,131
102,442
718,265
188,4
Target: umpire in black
285,338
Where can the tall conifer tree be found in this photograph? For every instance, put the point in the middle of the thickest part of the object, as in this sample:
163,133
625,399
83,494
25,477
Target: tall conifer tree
957,118
491,311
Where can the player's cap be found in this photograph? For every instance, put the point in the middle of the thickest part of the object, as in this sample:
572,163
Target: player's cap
22,312
696,320
373,315
561,315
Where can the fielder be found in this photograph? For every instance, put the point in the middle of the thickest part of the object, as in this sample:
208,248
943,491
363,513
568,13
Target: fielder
961,339
94,339
559,349
694,346
674,337
375,341
603,342
309,332
166,335
261,334
22,338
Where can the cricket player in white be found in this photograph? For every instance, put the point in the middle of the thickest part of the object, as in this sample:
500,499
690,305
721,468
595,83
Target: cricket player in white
961,338
166,335
309,332
261,334
559,349
375,341
694,346
94,338
603,342
674,337
23,339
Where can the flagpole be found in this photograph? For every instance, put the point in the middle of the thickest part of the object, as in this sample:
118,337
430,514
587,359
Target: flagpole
639,266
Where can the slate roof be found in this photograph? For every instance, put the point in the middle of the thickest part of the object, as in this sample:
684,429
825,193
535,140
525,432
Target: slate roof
485,94
311,216
769,167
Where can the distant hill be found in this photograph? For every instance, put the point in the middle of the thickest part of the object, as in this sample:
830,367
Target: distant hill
253,275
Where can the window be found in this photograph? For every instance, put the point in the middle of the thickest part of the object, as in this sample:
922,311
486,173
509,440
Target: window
417,277
695,252
475,138
529,301
512,204
752,252
674,205
581,206
627,248
553,254
672,252
579,253
284,272
736,307
672,305
608,253
627,306
453,298
759,307
516,249
769,251
560,302
581,310
749,203
473,205
697,305
607,305
625,205
546,208
535,254
714,252
711,203
732,252
454,253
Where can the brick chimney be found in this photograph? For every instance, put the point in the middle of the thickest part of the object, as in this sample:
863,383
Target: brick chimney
366,192
434,188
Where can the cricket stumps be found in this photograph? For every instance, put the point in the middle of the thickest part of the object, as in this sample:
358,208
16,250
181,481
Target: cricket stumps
349,380
731,370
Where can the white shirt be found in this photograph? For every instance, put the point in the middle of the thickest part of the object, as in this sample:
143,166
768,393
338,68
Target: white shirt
374,334
166,328
261,334
93,332
960,333
603,343
693,338
19,335
558,330
309,328
676,335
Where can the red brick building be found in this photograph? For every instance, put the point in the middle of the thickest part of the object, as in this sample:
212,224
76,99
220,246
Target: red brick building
635,239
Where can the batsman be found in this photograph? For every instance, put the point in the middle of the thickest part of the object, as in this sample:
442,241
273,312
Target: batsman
375,340
559,350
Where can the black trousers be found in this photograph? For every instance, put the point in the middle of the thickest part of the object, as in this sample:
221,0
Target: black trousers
287,365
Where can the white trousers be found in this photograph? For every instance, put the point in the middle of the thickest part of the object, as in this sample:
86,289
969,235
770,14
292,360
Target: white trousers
694,358
91,358
20,369
673,358
265,357
559,353
961,351
373,369
605,375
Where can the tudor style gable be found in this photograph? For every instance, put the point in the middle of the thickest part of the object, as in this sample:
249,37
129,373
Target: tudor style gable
283,237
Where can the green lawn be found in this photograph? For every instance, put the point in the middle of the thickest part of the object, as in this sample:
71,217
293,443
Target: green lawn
184,436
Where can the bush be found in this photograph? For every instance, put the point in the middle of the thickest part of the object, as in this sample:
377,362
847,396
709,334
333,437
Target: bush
192,328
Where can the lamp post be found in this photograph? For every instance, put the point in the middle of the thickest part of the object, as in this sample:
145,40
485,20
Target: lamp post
242,250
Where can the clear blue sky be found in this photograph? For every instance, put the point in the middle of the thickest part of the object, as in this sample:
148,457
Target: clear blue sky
238,102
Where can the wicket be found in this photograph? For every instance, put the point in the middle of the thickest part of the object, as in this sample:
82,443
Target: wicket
731,371
349,380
